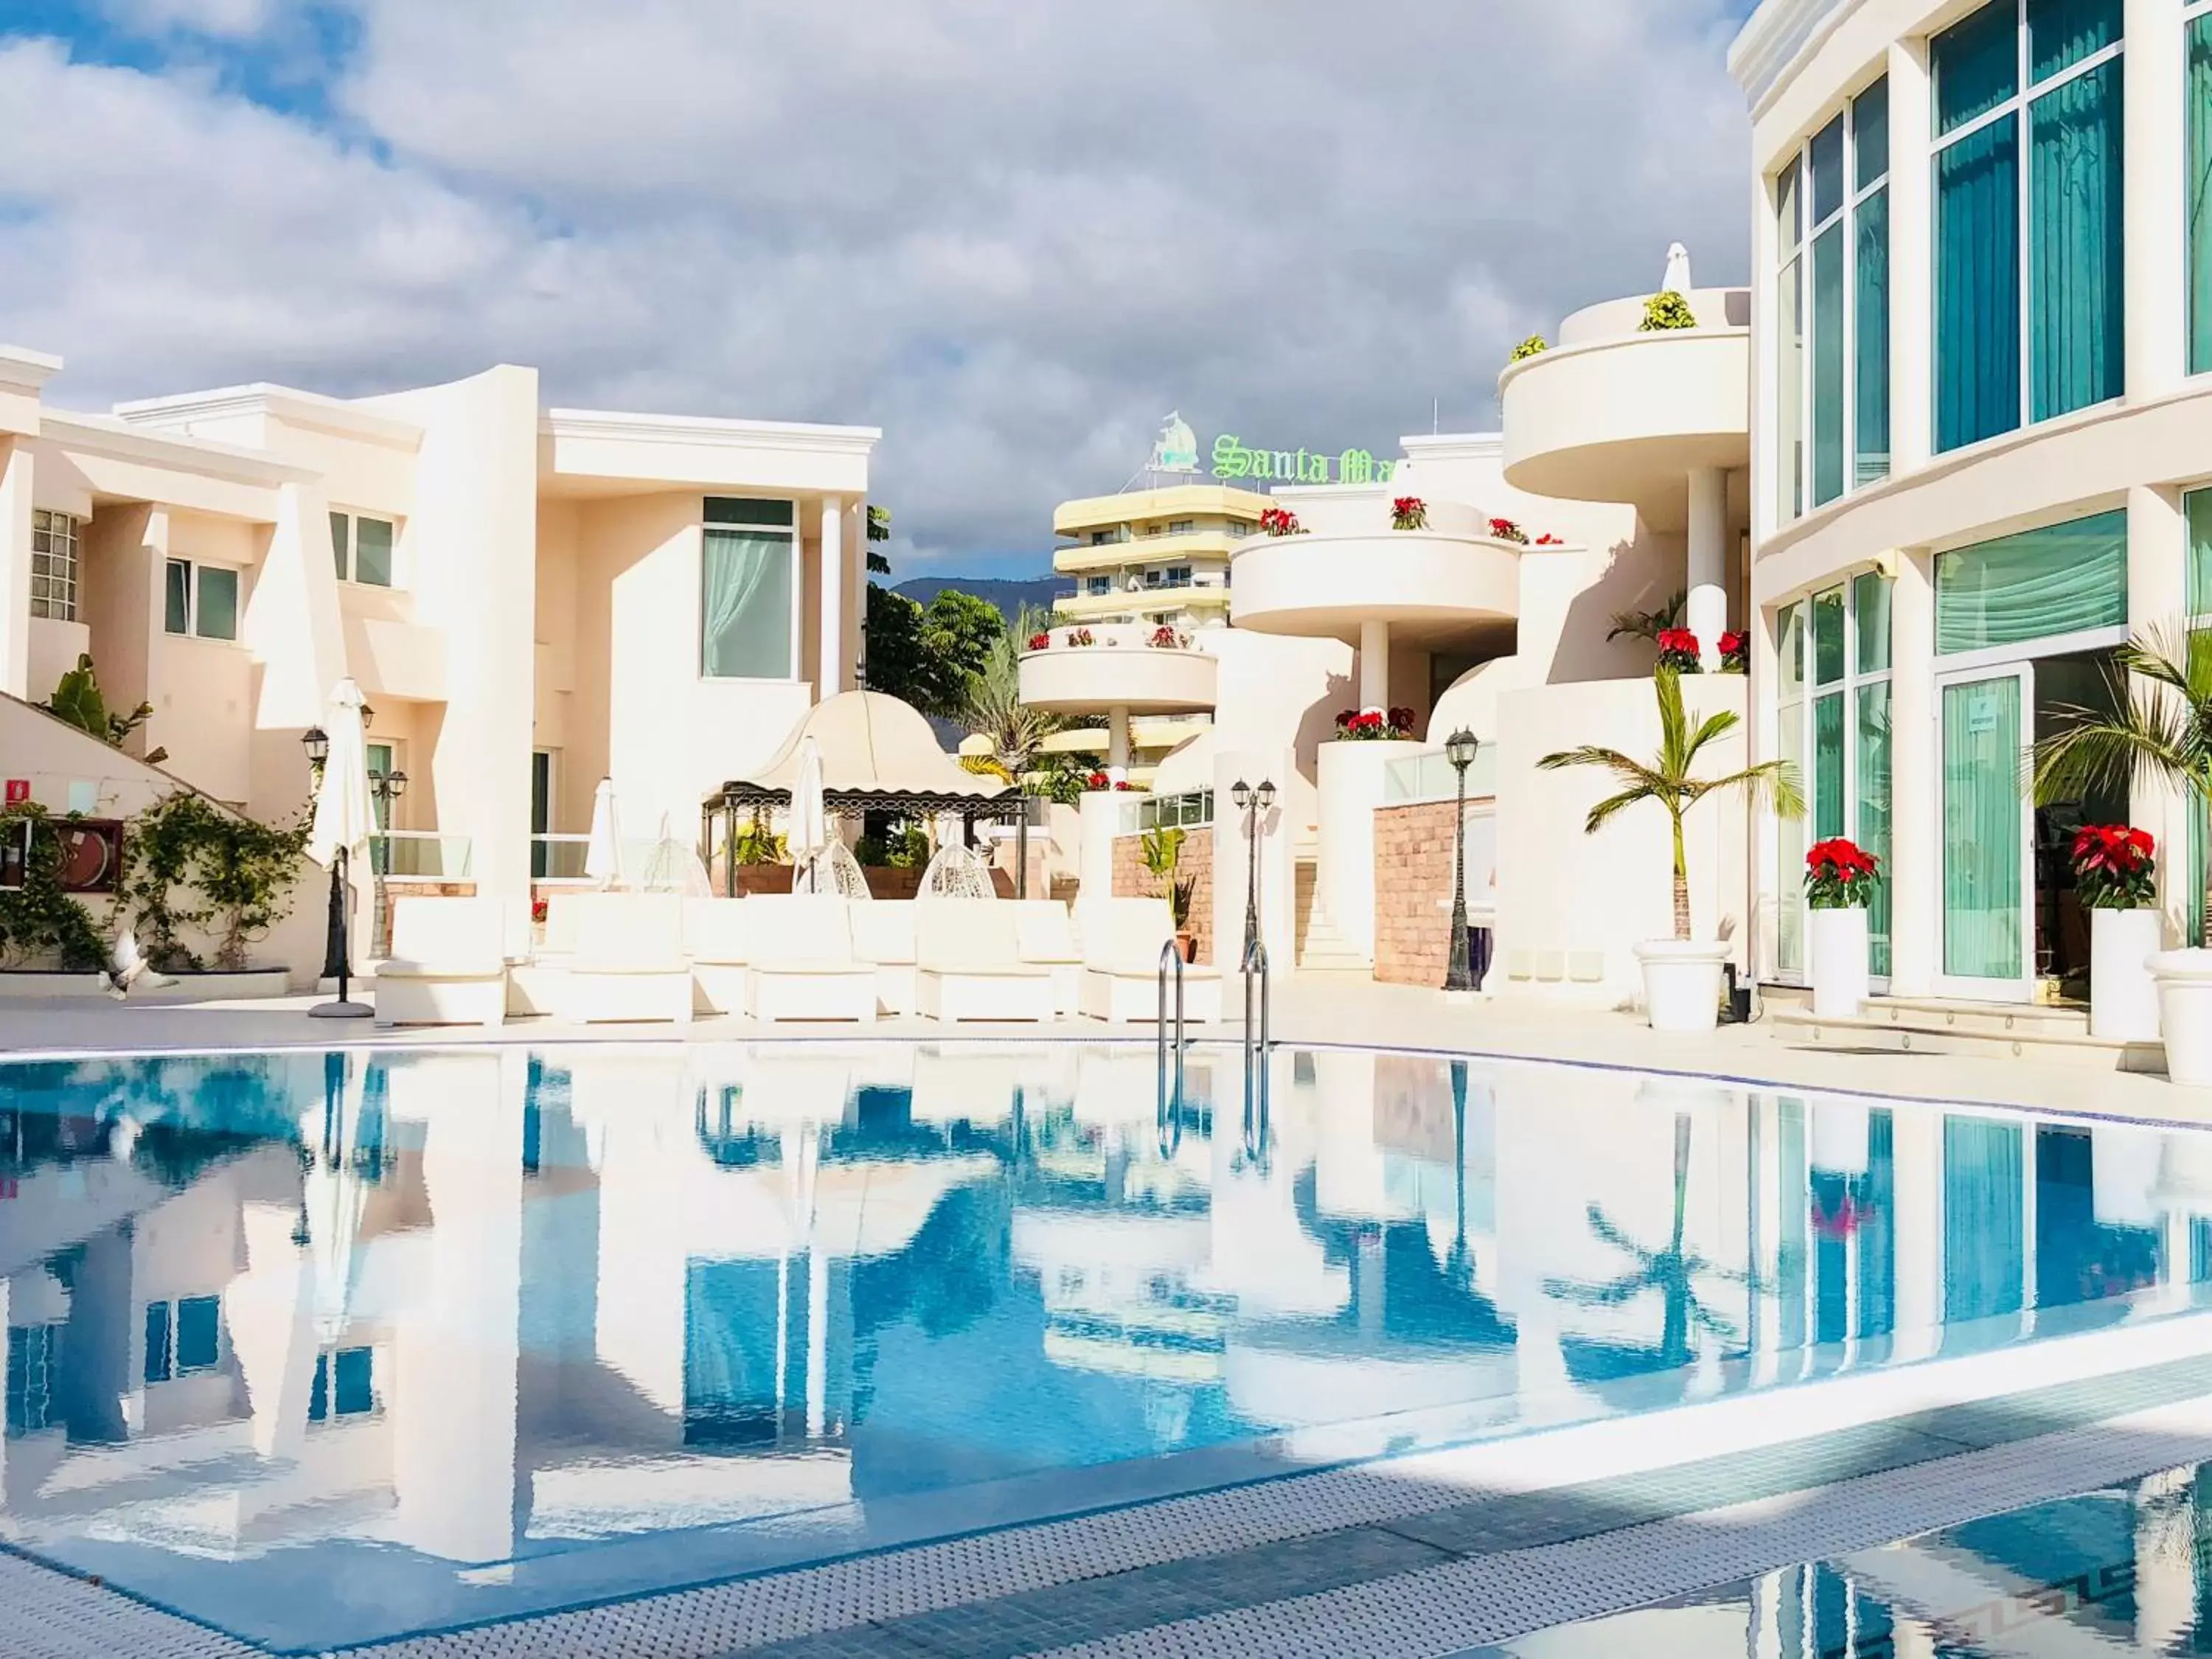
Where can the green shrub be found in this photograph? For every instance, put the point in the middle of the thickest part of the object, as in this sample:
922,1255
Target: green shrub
1665,310
1529,348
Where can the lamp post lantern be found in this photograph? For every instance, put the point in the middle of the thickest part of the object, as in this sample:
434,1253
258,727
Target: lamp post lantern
1459,975
336,950
1252,803
385,789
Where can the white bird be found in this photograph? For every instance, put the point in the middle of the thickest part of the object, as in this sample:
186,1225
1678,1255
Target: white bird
128,964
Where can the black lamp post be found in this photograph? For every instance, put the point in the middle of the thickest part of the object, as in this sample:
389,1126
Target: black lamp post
1252,803
384,788
1459,749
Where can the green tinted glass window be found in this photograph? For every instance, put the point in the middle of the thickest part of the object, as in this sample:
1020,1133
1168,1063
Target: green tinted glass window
2037,584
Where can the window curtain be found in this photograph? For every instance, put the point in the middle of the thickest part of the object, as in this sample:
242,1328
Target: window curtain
2061,579
1790,388
1978,285
1984,1235
2062,33
1975,64
1871,741
1982,830
1828,765
2199,185
744,619
1870,344
2197,504
2075,242
1828,363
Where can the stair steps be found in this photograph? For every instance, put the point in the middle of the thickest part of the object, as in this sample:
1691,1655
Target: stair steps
2059,1036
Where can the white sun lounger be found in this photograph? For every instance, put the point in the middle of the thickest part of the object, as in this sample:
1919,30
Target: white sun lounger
630,963
1045,936
802,965
968,963
715,939
883,933
1122,941
447,966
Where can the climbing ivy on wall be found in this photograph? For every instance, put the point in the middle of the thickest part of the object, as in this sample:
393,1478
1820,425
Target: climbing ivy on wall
41,924
193,865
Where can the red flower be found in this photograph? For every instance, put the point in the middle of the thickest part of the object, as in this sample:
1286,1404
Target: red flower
1840,857
537,909
1040,641
1125,784
2115,865
1548,539
1505,530
1096,781
1279,521
1677,638
1731,643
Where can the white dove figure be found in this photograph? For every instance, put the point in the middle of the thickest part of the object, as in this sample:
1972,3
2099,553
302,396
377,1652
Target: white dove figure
129,964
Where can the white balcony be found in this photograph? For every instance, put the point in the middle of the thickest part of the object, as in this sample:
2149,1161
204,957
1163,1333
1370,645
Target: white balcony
1120,670
1614,414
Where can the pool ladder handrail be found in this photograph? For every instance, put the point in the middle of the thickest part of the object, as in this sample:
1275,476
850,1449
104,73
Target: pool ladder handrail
1256,1041
1170,1104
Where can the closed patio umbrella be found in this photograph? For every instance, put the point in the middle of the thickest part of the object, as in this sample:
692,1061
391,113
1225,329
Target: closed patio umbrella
342,827
810,822
603,853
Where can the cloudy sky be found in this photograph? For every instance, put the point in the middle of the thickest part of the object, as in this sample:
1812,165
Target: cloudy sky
1013,234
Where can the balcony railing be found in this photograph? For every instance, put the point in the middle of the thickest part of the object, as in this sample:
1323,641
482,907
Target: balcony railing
404,856
555,858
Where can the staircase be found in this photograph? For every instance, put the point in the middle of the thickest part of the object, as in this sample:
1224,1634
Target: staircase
1939,1026
1327,952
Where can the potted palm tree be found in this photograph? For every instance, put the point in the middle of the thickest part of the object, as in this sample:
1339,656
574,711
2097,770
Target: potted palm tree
1681,975
1162,854
2159,728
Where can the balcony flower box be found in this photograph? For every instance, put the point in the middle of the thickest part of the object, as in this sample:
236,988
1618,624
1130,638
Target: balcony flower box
1409,513
1374,725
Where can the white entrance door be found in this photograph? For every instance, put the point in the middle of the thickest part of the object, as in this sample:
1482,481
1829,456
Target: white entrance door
1984,718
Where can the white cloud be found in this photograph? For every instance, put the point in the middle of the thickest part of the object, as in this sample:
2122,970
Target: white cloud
222,19
1013,235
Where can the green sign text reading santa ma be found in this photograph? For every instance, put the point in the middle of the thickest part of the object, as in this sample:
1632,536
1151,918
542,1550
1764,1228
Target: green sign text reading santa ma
1355,466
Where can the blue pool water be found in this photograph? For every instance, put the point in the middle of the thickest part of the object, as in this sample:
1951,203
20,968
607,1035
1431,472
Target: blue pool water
321,1348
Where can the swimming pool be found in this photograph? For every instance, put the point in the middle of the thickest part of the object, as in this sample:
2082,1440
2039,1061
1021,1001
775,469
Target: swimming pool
320,1348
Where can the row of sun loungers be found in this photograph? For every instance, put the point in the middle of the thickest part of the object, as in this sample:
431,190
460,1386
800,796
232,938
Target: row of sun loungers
782,957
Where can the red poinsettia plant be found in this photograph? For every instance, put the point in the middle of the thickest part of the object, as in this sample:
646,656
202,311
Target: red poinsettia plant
1840,875
1079,637
1548,539
538,908
2115,866
1678,650
1735,653
1098,781
1374,725
1409,513
1165,638
1279,521
1040,641
1505,530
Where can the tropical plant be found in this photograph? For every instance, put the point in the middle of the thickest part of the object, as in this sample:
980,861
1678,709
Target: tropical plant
927,654
1735,653
1505,530
1374,725
1409,513
994,710
77,700
1666,310
1669,778
2159,729
1679,650
1529,348
1839,875
2115,866
880,530
1650,624
758,844
1162,850
1060,777
1279,521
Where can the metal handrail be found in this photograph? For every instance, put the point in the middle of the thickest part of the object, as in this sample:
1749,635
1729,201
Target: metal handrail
1257,1099
1171,1105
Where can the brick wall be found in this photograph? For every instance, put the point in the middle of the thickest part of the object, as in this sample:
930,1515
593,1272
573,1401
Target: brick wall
1413,892
1133,880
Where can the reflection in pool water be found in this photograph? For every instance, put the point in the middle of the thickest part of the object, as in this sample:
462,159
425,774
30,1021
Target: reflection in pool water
324,1347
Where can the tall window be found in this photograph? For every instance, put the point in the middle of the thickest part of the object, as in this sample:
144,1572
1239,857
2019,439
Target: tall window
363,549
2198,53
2041,584
53,565
1832,301
748,591
1834,714
2027,124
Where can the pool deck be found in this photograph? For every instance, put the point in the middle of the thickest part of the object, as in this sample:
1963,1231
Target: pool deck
1440,1553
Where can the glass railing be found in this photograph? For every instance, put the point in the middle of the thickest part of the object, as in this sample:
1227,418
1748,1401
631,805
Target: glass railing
1426,774
419,855
558,857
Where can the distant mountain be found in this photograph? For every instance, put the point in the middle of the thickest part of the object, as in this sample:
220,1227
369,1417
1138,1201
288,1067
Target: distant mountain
1008,596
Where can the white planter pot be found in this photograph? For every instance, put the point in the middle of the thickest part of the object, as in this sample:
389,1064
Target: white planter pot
2184,1014
1681,983
1839,1135
1838,941
2123,995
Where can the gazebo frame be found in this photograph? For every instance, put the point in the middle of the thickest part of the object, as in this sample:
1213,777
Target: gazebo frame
719,814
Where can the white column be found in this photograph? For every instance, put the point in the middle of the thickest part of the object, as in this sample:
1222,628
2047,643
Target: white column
2151,199
16,567
1915,838
2157,597
830,677
1117,744
1911,335
1707,614
1375,665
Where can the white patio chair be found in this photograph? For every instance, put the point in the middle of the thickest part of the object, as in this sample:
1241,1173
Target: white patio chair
630,963
715,938
1122,941
803,965
1045,935
883,933
447,966
969,965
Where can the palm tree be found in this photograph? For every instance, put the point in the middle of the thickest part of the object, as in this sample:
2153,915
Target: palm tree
1668,780
994,709
2159,728
1650,624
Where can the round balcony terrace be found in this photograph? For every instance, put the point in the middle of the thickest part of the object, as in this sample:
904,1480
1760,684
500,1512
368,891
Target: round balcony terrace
1119,673
1612,413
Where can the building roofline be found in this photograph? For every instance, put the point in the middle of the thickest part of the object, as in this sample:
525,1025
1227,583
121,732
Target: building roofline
24,369
103,434
286,404
708,429
1454,445
1775,39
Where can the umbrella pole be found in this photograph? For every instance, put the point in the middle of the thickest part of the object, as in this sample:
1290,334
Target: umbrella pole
337,950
